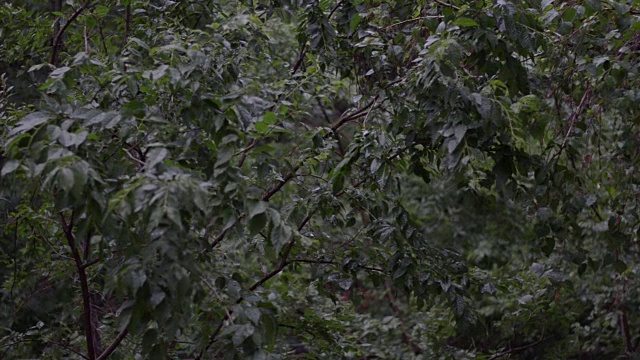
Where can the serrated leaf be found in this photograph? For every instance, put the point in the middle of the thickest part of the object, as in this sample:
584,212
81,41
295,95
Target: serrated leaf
261,127
29,122
270,118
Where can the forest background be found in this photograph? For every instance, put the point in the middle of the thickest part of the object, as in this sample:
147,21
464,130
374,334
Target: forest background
319,179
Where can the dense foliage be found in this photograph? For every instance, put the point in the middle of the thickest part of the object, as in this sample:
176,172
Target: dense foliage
319,179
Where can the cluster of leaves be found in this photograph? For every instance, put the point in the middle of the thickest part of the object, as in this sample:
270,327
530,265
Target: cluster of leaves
321,179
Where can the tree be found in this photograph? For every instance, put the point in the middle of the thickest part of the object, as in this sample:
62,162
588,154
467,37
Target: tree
321,179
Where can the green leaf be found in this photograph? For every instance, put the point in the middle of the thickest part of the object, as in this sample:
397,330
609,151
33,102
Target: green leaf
101,10
280,235
242,333
270,118
257,223
338,183
465,22
257,208
66,179
29,122
9,167
155,157
157,297
173,214
261,127
620,266
59,72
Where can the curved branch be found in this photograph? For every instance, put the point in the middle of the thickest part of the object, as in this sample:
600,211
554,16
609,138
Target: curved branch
57,41
89,329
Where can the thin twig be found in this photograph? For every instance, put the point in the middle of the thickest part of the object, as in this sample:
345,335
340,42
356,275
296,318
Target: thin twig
515,350
86,41
573,119
330,262
447,4
408,21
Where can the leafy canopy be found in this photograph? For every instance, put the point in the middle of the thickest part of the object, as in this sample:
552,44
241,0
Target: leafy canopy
319,179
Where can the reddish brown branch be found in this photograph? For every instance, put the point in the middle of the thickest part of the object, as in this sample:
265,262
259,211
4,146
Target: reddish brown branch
355,115
57,7
626,332
57,41
84,285
298,64
281,183
114,344
127,23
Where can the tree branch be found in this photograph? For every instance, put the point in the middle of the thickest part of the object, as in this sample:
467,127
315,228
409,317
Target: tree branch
281,183
281,265
278,186
355,115
57,41
114,344
303,49
84,285
517,349
127,23
404,22
447,4
573,119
